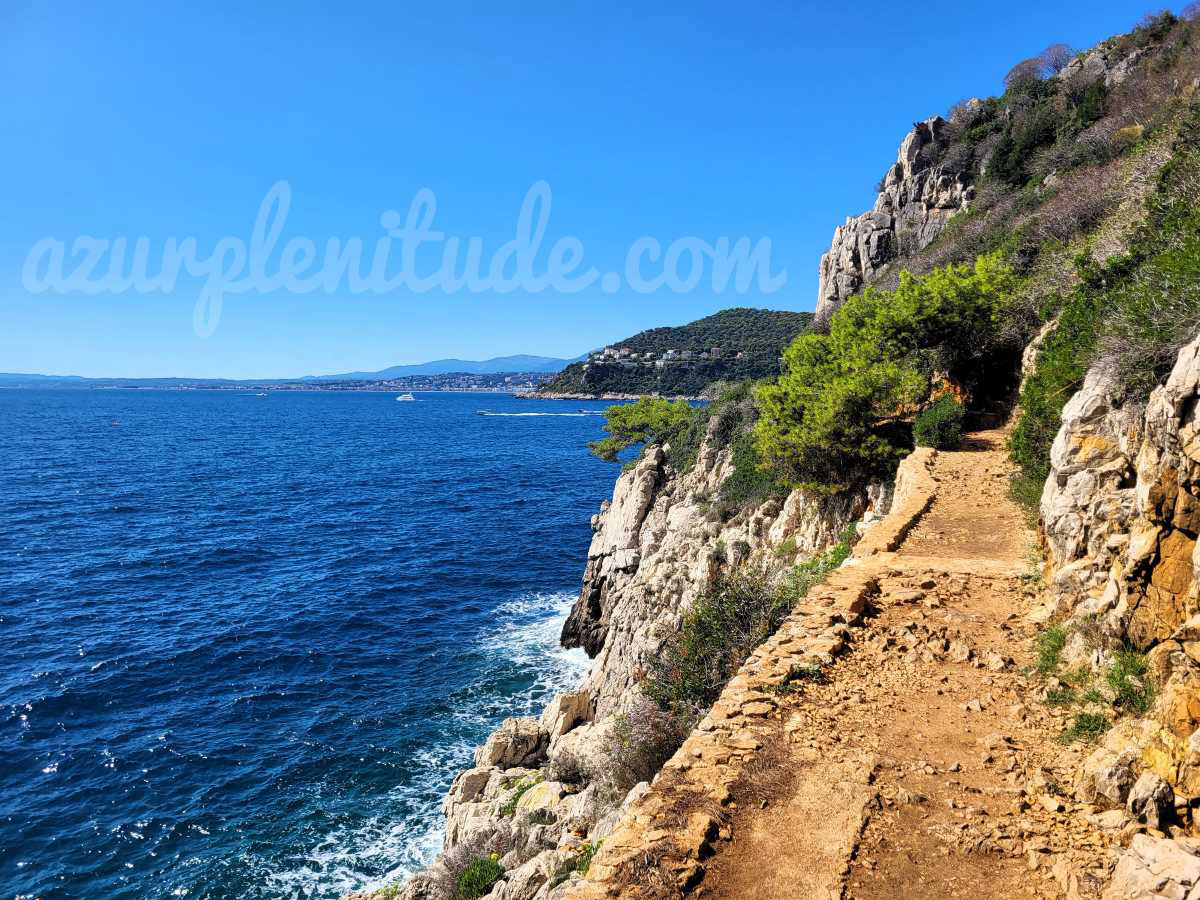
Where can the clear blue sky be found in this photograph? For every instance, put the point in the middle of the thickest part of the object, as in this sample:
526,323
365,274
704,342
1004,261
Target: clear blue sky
668,120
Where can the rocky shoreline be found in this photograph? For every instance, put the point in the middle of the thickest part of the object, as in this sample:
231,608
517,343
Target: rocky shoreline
541,795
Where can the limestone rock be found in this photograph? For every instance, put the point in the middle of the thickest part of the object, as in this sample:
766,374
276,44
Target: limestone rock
517,742
1154,868
1120,515
523,882
919,195
655,549
543,795
564,712
469,784
1106,777
1151,800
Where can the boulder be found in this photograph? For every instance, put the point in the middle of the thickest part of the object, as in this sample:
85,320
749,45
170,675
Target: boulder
1106,777
543,795
564,712
517,742
525,881
1151,800
1154,868
586,749
468,785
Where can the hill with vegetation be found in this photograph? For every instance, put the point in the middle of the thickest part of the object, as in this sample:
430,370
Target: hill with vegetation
680,360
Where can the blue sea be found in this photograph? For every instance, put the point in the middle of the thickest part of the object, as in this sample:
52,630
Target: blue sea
247,640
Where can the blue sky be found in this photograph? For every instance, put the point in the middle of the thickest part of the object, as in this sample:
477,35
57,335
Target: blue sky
697,119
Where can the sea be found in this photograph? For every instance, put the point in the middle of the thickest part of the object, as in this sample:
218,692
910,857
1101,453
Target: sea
249,638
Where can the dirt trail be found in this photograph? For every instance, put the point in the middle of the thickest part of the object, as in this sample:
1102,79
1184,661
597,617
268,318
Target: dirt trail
920,768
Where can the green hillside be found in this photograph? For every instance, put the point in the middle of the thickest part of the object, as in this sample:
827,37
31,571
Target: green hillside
680,359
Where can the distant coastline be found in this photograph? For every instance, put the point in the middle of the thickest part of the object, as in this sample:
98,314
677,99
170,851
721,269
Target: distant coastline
458,382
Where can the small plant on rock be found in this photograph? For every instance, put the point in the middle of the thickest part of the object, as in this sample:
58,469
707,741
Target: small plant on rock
1050,644
523,786
1126,677
583,861
808,574
479,877
787,548
798,675
1062,696
1086,727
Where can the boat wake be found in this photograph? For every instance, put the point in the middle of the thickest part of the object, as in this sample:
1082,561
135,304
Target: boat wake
526,415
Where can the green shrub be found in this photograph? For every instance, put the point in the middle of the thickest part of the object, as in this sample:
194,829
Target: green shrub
750,482
583,860
787,547
808,574
735,614
1086,727
1062,363
1126,677
1029,131
1050,644
1063,696
1136,311
1154,292
838,413
940,424
651,420
479,878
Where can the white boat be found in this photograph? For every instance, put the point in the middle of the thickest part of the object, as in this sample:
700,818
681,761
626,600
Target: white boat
406,397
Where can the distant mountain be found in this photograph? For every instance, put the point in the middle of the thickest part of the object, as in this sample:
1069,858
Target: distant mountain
520,363
19,378
495,366
680,359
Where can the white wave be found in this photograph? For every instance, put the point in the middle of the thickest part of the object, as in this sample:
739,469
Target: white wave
520,415
399,847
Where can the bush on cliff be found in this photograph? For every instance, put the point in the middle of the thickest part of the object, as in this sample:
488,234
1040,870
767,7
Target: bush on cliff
734,615
840,413
479,878
1133,314
731,419
643,739
651,420
940,425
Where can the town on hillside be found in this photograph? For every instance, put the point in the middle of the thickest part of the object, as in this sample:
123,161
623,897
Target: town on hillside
625,357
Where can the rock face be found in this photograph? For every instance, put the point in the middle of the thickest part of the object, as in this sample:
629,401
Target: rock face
1121,510
919,194
538,795
655,546
1155,868
1102,62
1089,499
1120,519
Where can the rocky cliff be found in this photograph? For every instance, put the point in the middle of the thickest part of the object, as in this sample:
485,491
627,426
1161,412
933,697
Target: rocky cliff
538,796
655,547
917,196
1120,518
